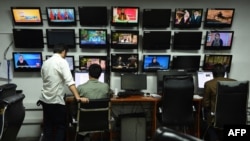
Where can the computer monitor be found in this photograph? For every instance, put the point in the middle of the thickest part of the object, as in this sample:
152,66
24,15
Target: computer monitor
83,77
162,73
133,82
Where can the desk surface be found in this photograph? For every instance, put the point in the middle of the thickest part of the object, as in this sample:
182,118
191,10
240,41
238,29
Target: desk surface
135,98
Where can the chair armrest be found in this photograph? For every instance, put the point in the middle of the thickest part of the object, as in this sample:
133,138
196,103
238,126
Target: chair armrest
12,99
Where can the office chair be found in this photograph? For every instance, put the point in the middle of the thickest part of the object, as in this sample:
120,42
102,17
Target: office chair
231,103
167,134
93,117
177,102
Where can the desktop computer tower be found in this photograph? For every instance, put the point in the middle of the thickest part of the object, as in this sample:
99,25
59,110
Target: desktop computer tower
133,127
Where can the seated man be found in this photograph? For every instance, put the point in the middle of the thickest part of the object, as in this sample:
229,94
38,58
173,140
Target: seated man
94,89
209,99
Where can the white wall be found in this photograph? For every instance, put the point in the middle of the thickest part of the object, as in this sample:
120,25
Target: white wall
31,83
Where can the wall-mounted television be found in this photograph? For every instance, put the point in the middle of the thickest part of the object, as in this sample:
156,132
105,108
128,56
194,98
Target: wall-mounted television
219,17
189,63
70,59
28,38
156,18
211,59
93,16
61,36
188,18
27,61
61,16
125,16
219,40
85,61
187,40
27,16
152,63
124,62
93,38
122,39
156,40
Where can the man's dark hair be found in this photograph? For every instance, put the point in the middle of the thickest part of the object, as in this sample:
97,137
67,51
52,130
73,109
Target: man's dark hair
219,70
59,48
95,71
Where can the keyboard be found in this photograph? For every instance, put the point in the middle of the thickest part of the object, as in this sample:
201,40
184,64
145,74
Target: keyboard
129,93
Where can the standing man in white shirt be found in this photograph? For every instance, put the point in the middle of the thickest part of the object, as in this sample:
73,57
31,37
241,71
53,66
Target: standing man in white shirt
56,74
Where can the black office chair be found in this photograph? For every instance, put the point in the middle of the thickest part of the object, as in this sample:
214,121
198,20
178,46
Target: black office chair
177,102
93,117
231,103
167,134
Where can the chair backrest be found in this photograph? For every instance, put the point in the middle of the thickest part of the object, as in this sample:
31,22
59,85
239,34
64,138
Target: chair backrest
167,134
231,103
93,116
177,100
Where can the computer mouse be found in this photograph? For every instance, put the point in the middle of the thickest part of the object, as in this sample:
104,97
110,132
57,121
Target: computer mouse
147,94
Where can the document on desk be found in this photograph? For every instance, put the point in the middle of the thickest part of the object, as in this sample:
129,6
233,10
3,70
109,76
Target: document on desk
155,95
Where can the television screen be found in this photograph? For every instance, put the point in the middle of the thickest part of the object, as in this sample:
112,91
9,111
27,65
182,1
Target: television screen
187,18
133,82
211,60
69,59
156,18
27,16
188,63
93,16
124,39
61,16
83,77
61,36
27,61
162,73
187,40
28,38
219,17
125,16
156,40
152,63
86,61
219,40
93,38
124,62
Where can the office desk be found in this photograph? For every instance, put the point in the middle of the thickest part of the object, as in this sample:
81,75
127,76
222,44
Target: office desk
131,99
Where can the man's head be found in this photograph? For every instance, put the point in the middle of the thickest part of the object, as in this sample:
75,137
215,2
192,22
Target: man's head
61,49
219,70
95,71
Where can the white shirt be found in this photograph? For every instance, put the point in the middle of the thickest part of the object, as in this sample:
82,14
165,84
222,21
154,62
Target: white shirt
55,74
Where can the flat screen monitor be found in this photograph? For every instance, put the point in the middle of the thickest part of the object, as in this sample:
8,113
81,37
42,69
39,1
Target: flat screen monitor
121,39
83,77
61,16
27,16
187,40
156,40
85,61
162,73
124,62
133,82
219,40
211,60
190,63
152,63
61,36
93,38
188,18
93,16
201,78
70,59
27,61
219,17
156,18
125,16
28,38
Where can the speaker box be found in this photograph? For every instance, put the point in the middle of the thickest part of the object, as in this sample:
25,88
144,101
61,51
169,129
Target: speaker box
133,127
